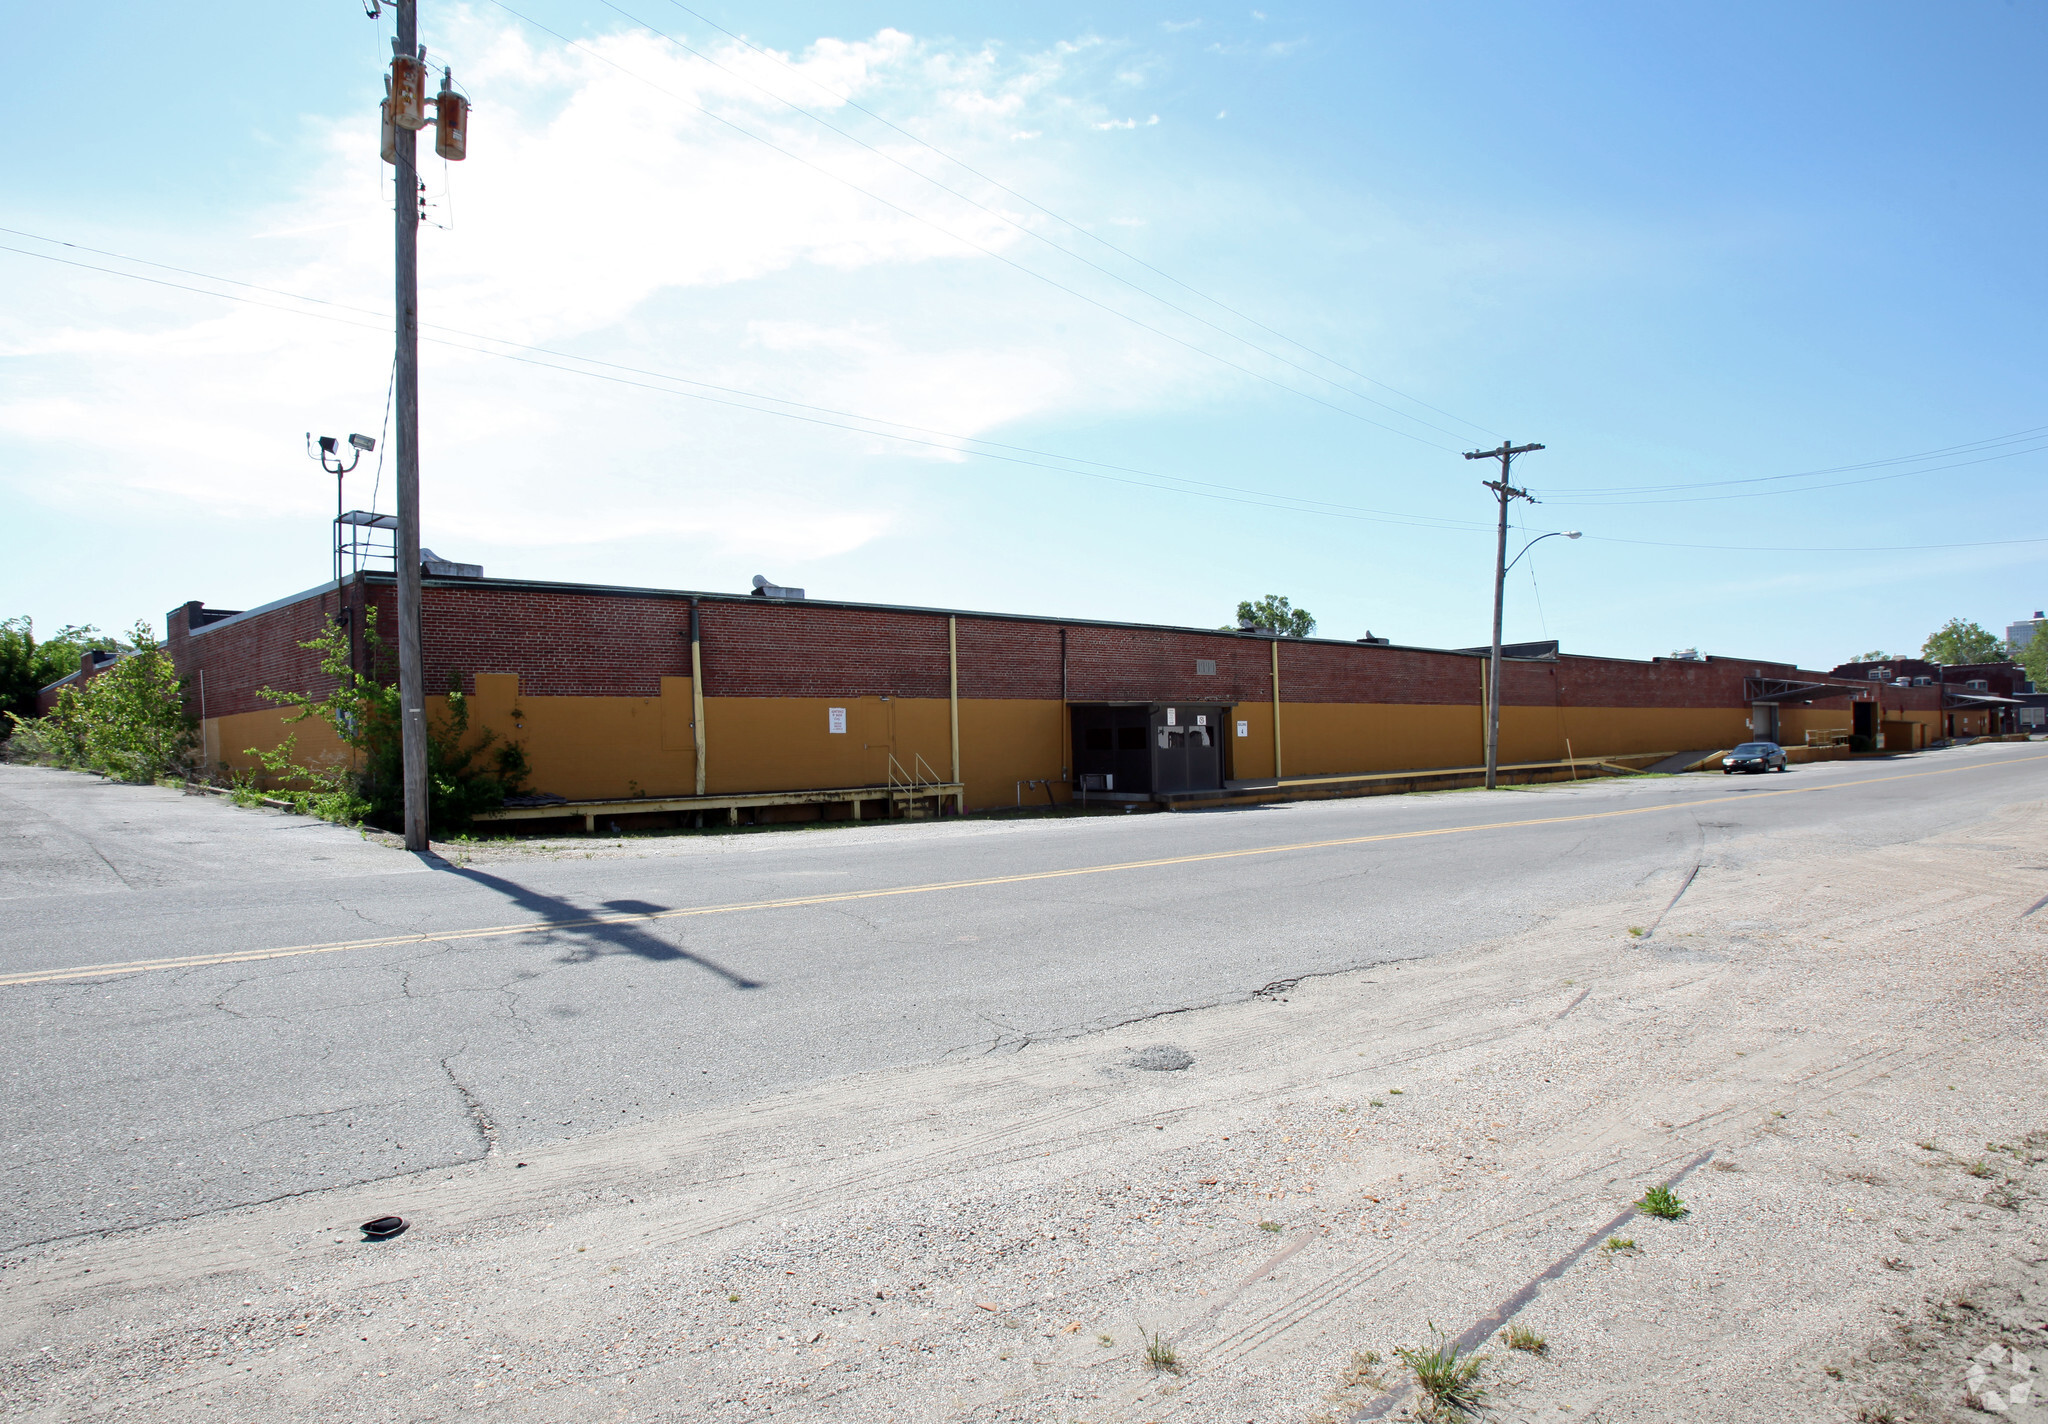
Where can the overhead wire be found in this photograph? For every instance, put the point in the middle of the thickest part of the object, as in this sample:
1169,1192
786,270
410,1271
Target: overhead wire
1024,228
986,251
2033,432
737,399
1550,498
964,445
1085,231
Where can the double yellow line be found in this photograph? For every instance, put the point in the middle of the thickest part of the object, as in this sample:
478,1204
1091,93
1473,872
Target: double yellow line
200,961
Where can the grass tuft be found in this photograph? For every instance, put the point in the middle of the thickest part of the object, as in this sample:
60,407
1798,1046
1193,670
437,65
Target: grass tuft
1160,1354
1448,1380
1981,1168
1659,1202
1269,1226
1618,1244
1521,1337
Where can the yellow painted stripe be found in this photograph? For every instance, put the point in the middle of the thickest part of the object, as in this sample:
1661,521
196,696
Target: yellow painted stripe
199,961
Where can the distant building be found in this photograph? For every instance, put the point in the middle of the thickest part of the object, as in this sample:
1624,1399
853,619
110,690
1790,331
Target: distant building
2018,635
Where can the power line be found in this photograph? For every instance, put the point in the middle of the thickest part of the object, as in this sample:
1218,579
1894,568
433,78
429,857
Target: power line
1227,493
1086,232
1027,230
968,242
1802,489
1968,445
946,441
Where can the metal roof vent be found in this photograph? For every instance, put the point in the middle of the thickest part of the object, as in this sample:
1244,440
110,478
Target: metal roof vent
765,589
434,566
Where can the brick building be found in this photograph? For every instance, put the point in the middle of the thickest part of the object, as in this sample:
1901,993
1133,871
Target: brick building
611,696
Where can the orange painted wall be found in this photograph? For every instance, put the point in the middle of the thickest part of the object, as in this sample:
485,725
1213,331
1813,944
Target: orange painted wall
595,748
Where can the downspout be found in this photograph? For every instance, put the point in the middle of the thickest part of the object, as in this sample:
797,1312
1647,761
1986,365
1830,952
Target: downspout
1276,710
1066,716
953,697
697,691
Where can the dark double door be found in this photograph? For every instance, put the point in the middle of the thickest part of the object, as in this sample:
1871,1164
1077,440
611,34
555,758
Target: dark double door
1151,747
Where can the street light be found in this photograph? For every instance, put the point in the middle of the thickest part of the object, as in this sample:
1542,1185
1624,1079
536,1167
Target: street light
1553,534
327,450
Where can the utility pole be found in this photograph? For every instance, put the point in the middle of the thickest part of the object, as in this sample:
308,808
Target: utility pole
1506,493
408,69
405,114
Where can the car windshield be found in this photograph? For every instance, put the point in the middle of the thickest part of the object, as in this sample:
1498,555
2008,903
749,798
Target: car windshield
1755,748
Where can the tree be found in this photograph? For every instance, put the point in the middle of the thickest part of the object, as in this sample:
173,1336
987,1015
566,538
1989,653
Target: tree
1274,614
128,722
2033,656
27,666
1959,642
1874,658
463,776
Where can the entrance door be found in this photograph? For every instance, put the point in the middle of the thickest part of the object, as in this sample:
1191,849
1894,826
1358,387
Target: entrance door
1188,749
1864,715
1763,721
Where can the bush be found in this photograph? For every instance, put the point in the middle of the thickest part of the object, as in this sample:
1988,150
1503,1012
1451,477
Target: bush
128,722
464,776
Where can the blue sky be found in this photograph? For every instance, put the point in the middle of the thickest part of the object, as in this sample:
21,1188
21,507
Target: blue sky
1268,272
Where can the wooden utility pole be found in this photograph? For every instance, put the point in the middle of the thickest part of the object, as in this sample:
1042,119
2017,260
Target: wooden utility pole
1506,493
412,677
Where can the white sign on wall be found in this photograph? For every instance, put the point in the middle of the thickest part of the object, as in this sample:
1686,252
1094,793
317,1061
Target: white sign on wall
1244,729
837,718
1201,719
1169,717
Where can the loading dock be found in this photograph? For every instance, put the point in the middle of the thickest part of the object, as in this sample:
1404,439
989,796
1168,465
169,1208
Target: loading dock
1138,750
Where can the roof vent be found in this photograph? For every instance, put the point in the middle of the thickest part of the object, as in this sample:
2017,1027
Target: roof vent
434,566
765,589
1686,655
1376,642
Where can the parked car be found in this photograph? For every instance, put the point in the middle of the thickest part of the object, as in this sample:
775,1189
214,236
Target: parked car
1754,756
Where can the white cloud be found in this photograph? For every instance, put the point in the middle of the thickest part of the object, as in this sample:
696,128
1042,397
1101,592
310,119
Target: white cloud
627,219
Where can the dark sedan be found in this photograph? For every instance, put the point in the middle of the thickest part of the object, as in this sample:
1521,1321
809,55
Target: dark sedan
1754,756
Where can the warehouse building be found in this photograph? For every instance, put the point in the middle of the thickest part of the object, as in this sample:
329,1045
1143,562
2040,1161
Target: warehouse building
772,705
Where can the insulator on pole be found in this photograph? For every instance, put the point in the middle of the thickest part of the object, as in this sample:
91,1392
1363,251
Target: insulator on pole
451,122
408,92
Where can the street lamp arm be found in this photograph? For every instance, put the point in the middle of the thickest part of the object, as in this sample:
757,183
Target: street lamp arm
1555,533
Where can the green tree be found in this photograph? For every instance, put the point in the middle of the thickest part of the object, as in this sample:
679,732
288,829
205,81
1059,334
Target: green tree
128,722
1959,642
2033,656
1874,658
1274,614
464,776
28,666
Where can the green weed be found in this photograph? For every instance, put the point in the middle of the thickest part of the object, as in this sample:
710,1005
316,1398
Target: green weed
1448,1380
1160,1354
1659,1202
1521,1337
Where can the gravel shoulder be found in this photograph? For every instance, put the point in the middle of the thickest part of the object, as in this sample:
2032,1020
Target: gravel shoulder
1840,1050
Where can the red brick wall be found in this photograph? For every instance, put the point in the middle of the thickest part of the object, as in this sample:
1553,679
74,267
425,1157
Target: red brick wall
573,642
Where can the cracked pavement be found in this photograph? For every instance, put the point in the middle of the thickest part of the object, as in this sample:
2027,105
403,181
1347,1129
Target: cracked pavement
164,1095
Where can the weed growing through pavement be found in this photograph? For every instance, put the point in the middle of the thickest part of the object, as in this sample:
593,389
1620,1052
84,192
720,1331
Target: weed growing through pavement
1269,1226
1659,1202
734,1298
1363,1372
1981,1168
1105,1341
1619,1244
1521,1337
1448,1380
1160,1354
1393,1092
1377,1103
1927,1147
1637,931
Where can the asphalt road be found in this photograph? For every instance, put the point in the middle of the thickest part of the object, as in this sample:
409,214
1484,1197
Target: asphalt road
516,1002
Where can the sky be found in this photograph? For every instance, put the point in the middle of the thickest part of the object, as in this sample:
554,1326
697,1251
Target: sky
1124,313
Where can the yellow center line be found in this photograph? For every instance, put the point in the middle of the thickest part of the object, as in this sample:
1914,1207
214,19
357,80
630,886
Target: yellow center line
198,961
